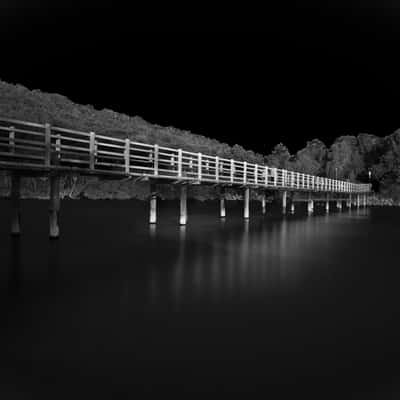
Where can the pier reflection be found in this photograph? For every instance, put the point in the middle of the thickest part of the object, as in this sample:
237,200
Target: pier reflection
254,258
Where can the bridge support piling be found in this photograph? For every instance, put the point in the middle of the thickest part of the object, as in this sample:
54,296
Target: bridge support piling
339,205
263,204
284,202
310,204
222,210
349,202
54,206
358,201
327,204
365,200
153,204
183,205
246,211
15,203
292,207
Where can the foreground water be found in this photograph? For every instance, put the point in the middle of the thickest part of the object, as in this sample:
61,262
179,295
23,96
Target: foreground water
287,306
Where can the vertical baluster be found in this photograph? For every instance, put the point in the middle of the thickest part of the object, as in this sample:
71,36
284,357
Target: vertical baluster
199,161
47,140
217,169
266,176
127,157
156,159
180,163
92,150
11,140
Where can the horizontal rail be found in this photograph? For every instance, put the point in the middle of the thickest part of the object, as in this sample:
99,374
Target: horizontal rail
62,149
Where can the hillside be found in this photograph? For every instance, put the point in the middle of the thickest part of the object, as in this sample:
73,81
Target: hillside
18,102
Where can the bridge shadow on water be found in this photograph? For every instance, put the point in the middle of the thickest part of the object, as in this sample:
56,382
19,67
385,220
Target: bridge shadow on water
284,305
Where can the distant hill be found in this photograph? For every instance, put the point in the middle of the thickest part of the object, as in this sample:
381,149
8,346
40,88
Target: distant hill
18,102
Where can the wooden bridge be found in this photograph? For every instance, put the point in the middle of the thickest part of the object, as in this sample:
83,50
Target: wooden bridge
28,149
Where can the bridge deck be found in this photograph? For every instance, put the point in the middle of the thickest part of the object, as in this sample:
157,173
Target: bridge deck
44,149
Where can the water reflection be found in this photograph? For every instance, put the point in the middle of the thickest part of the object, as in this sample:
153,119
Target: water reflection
255,258
15,267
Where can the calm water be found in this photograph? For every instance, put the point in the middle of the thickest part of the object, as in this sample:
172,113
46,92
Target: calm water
287,306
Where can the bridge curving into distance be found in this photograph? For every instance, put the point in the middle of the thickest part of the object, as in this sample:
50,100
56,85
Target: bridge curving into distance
28,149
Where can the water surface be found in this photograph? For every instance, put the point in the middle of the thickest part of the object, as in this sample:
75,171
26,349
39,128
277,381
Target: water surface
288,306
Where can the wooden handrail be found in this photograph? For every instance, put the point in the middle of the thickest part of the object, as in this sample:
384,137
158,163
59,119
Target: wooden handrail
61,149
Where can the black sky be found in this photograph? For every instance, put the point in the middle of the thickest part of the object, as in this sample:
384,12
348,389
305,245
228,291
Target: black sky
256,77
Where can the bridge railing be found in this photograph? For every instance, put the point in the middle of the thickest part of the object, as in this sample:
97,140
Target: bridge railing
45,147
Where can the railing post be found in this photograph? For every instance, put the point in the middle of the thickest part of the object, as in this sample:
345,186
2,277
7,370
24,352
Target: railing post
47,141
232,170
244,172
127,154
11,140
199,166
92,150
256,174
180,163
156,158
275,176
217,168
266,176
58,148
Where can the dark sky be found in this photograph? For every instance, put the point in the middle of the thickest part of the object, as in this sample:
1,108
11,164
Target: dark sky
256,77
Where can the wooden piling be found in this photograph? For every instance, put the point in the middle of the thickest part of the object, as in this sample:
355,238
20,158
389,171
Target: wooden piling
358,201
339,205
310,204
327,203
15,203
246,211
222,211
292,207
183,205
263,204
284,202
54,206
153,204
